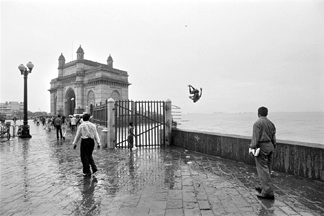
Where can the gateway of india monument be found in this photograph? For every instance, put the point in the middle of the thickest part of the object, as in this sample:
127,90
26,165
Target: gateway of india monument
81,84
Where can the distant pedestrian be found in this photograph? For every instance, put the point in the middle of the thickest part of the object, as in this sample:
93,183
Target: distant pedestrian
79,121
87,131
58,124
49,124
64,126
73,123
130,137
264,137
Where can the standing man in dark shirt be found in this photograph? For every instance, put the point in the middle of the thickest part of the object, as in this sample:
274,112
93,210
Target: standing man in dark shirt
58,125
264,137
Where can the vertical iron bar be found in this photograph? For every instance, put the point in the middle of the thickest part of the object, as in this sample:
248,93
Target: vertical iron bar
155,120
152,122
106,110
125,120
149,122
146,123
138,115
118,123
135,124
142,121
127,125
163,123
139,123
160,122
116,128
122,123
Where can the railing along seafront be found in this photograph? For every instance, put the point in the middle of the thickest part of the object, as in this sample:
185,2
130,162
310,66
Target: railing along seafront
296,158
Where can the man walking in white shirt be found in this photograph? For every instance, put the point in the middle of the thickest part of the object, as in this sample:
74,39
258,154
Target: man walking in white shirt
88,133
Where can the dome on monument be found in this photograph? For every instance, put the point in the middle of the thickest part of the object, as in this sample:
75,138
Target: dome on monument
80,50
61,57
109,58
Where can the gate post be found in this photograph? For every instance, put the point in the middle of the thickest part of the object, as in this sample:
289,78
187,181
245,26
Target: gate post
168,121
110,123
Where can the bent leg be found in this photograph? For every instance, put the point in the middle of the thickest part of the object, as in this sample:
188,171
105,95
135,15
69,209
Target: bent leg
84,156
57,132
89,152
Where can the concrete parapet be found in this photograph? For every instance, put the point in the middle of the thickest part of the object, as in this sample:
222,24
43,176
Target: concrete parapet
296,158
103,138
102,131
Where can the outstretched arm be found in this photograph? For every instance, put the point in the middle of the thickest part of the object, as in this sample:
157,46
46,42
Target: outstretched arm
191,89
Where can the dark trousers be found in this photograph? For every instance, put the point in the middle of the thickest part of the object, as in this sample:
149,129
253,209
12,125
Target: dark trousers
263,164
73,128
58,130
87,146
130,140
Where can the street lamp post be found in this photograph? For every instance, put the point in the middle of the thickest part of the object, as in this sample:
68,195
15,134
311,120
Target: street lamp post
72,106
24,71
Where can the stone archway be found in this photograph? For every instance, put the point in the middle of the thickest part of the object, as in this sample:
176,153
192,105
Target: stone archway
91,100
69,102
115,95
91,109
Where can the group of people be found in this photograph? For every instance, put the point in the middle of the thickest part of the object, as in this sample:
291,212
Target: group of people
60,123
85,130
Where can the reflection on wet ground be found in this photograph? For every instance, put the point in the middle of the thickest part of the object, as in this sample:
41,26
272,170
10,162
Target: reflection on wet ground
43,176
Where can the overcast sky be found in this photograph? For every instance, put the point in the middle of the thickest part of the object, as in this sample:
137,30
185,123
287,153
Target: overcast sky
244,54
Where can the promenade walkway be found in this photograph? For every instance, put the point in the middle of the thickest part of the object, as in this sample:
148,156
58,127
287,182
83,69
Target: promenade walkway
43,176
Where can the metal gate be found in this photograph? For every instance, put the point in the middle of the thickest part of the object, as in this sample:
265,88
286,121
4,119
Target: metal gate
148,118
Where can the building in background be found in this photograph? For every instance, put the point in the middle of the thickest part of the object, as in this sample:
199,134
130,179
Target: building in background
12,108
82,83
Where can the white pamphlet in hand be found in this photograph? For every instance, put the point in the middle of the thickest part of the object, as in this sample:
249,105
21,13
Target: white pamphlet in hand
255,152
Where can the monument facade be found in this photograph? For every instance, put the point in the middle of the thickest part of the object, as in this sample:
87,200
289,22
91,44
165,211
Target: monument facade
81,84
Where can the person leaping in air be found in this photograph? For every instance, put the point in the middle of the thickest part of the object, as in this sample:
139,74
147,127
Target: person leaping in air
196,96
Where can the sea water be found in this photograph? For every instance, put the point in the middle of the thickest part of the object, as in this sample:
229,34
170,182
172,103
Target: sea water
291,126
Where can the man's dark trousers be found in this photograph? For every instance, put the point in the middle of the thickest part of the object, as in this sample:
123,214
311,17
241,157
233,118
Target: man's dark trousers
263,164
87,146
58,129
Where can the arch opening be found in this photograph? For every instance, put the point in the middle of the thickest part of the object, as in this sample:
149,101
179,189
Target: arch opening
91,101
69,102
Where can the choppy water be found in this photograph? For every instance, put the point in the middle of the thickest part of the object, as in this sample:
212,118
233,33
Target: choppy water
296,126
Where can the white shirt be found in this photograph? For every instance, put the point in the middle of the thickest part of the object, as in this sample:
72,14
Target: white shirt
86,130
73,121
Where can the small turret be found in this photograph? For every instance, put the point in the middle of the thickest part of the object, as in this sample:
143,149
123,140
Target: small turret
61,61
110,62
80,53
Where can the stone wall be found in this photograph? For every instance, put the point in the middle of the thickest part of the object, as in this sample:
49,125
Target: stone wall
296,158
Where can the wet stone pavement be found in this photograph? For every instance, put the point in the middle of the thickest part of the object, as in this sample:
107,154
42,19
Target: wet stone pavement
43,176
